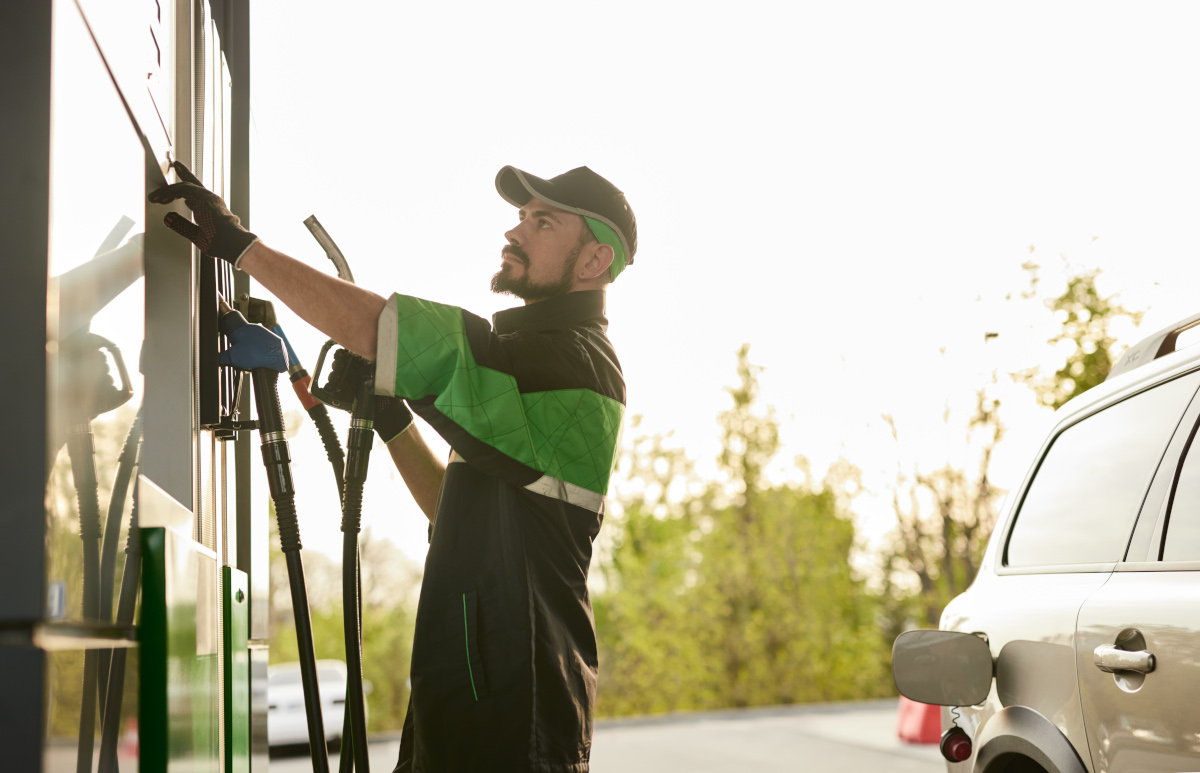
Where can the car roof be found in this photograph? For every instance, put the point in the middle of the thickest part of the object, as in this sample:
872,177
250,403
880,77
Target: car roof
1129,377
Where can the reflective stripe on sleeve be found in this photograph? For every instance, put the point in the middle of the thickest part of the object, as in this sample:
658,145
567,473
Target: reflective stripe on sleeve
387,340
560,490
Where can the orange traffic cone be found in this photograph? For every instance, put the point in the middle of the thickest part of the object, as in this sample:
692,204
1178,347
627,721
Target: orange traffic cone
919,722
128,747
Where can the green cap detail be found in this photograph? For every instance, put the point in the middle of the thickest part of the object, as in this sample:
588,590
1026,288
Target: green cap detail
606,235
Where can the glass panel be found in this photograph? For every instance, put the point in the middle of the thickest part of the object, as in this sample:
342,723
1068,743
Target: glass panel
1086,495
64,712
95,322
1183,528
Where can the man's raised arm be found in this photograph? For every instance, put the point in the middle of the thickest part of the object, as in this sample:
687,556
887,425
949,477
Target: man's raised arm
346,313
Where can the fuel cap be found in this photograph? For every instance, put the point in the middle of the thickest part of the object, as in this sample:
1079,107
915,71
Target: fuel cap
956,745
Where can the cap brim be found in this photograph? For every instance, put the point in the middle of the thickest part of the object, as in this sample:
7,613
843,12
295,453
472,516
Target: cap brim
518,187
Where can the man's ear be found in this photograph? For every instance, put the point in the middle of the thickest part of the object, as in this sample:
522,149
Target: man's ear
598,257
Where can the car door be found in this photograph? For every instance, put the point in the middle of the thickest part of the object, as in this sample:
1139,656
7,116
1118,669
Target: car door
1138,637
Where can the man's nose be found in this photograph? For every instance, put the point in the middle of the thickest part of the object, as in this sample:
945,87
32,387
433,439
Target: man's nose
512,236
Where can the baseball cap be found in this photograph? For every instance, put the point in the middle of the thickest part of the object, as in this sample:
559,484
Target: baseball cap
585,193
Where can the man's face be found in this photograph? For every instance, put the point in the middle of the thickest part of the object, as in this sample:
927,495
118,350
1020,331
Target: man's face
539,259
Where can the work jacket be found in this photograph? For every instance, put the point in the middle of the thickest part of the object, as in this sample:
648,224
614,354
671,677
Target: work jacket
504,657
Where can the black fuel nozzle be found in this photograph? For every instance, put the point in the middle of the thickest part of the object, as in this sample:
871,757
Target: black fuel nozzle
346,374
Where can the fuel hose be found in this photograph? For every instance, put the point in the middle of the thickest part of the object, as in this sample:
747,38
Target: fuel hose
301,385
112,532
258,350
277,460
81,448
358,456
354,675
126,604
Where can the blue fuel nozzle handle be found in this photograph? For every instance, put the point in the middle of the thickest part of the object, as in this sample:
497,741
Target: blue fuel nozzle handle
251,346
293,360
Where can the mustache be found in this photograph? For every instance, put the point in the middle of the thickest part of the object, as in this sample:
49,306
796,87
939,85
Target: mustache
516,252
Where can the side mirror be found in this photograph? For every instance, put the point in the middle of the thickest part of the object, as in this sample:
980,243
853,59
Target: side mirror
944,668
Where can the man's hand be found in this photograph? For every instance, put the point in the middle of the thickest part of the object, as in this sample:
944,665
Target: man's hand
217,231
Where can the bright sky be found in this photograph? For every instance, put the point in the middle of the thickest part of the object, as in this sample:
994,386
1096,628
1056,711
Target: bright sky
850,187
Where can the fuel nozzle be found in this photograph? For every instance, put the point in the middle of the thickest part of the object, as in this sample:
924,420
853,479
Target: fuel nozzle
346,374
251,346
262,312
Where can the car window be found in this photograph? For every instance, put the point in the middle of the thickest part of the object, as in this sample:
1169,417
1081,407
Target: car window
1085,496
1183,519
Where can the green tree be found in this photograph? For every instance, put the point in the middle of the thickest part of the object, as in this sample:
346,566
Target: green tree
1087,316
732,595
943,521
646,618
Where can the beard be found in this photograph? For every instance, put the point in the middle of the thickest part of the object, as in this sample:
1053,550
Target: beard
504,283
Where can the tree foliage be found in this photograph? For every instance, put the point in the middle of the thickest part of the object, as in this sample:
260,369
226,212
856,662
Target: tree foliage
1086,317
735,595
943,521
389,582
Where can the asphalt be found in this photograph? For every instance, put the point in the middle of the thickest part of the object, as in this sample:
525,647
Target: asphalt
844,737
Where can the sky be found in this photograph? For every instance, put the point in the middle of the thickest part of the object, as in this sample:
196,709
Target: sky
851,188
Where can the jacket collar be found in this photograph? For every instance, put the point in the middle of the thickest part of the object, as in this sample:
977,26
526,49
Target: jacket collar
575,308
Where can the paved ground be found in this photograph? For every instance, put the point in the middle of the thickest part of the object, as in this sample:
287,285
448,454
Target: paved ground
849,737
845,737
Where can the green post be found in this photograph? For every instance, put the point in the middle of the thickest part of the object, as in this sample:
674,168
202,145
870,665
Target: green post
236,602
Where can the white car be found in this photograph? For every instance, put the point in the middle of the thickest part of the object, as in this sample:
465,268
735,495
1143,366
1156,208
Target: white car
1077,648
287,722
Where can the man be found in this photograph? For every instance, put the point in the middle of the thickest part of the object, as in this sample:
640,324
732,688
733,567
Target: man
504,657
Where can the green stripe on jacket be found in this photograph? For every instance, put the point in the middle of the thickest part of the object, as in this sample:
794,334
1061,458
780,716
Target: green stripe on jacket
569,434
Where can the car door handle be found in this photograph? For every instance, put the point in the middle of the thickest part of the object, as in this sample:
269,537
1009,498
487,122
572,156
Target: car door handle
1108,657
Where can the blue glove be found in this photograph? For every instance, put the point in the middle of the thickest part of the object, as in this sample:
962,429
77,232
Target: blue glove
252,346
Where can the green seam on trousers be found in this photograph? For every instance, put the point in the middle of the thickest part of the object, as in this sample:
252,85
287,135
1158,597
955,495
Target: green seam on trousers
467,636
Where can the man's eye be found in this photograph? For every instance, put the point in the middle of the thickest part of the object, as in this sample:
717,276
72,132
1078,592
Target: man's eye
543,223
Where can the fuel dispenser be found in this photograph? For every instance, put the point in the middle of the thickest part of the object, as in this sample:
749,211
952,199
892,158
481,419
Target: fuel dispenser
156,653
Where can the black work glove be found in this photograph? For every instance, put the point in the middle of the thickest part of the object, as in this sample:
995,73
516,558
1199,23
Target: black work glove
392,417
217,231
346,374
